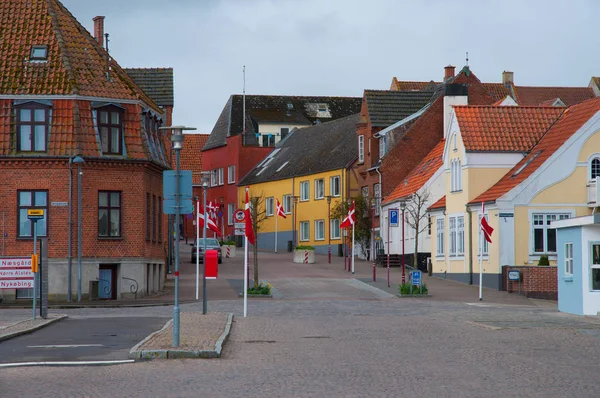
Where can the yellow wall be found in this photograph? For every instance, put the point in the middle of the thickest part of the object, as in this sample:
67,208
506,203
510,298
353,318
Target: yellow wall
311,210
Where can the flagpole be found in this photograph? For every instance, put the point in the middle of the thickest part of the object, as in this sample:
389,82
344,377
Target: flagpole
481,237
353,247
197,247
276,217
246,278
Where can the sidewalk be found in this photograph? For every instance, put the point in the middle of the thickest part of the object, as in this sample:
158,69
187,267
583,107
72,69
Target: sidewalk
13,326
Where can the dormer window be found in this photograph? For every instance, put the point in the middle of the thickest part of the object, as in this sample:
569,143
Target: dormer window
39,53
32,127
110,127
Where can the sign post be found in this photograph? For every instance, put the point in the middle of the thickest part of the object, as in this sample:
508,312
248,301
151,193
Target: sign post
515,275
34,215
416,281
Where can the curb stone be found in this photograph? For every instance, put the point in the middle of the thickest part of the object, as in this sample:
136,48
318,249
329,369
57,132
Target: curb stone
136,353
413,295
256,295
31,329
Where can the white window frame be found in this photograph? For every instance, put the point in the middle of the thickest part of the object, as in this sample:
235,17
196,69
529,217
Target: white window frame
231,174
439,233
460,235
455,175
220,176
304,191
334,187
269,206
593,266
382,143
304,228
334,228
365,191
552,215
320,188
288,203
569,258
230,211
452,232
319,229
213,178
361,149
377,195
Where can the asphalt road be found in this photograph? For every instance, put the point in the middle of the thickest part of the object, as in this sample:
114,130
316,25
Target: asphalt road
81,339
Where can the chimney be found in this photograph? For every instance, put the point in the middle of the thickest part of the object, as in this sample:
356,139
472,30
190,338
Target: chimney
448,72
99,29
507,77
454,94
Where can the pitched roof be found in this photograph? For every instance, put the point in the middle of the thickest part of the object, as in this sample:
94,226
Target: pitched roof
401,85
503,128
76,62
309,150
499,91
569,95
156,82
191,155
420,174
388,107
569,123
280,109
440,204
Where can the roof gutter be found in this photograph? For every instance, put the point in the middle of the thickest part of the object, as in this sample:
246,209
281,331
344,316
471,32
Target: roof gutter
402,122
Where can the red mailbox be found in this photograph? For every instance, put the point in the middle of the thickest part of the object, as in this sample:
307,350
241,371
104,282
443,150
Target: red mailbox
211,264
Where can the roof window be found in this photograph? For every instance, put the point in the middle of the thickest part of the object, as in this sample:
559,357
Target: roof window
527,162
39,53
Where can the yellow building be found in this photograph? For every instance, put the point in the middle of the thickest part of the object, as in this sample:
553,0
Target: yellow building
308,173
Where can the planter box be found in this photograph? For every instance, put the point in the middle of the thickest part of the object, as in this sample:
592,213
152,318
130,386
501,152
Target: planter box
256,295
304,256
227,251
413,295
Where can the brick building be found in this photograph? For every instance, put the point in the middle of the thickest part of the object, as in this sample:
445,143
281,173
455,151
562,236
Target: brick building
64,99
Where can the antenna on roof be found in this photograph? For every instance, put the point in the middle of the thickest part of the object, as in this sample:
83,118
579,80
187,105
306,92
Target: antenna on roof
467,58
107,57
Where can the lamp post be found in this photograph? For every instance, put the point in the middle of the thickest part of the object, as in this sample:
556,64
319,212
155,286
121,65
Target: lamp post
79,161
177,140
373,251
294,221
349,202
329,228
403,207
204,187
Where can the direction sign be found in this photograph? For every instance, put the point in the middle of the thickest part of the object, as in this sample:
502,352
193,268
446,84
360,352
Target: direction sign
239,232
393,216
15,273
35,214
239,215
416,278
240,225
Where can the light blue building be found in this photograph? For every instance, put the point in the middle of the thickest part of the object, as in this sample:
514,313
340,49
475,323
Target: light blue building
578,260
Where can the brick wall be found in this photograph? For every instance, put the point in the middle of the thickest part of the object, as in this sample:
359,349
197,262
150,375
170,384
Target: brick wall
536,281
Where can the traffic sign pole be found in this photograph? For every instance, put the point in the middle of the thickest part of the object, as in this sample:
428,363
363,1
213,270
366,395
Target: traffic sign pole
35,275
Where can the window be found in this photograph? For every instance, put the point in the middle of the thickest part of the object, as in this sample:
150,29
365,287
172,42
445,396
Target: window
32,127
154,218
319,189
460,235
377,195
439,232
213,178
304,231
220,176
230,211
109,214
319,230
569,258
334,186
595,168
270,206
231,174
428,226
361,149
382,146
304,191
452,222
365,192
544,237
32,200
595,267
268,140
284,131
335,228
287,204
148,218
455,175
110,127
39,53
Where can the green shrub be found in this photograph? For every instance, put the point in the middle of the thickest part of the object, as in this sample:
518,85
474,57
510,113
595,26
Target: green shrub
261,289
228,242
405,289
305,248
544,260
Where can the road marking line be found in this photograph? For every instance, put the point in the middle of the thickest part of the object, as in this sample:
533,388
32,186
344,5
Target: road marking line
65,346
65,363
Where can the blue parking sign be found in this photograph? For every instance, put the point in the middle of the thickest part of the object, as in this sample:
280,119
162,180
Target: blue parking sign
393,216
416,278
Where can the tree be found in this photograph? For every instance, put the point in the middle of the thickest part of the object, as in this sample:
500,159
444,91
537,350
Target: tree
415,214
362,228
259,214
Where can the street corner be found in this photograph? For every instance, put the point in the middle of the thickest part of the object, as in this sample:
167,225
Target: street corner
200,336
26,326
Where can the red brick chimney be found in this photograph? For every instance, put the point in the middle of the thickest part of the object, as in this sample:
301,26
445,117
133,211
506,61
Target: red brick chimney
448,72
99,29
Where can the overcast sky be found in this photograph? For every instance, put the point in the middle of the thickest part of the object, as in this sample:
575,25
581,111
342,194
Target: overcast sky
341,47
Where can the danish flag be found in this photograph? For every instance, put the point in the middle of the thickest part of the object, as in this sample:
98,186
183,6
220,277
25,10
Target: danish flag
280,211
485,227
350,218
211,224
248,220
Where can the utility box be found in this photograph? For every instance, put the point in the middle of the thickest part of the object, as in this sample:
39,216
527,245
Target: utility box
93,292
211,267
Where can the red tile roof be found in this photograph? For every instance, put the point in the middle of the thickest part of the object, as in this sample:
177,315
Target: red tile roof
401,85
568,95
420,174
570,122
504,128
440,204
76,63
191,155
498,91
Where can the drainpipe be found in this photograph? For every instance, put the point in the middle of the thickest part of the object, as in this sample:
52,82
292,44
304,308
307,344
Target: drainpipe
470,244
380,210
70,229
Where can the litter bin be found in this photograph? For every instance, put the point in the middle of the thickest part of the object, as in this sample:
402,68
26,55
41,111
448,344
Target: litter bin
93,292
290,245
340,250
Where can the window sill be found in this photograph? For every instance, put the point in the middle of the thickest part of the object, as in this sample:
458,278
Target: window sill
320,198
440,256
31,237
319,240
114,238
567,278
459,191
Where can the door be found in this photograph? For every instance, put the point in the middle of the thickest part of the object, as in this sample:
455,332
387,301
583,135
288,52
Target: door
107,282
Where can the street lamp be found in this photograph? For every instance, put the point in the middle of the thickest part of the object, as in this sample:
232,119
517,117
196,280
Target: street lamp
177,140
79,161
349,202
403,207
373,251
296,198
329,228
